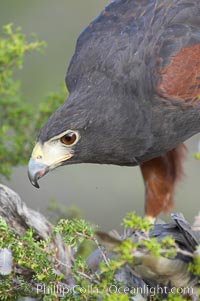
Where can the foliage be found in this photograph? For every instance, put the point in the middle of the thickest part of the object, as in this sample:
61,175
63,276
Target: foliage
34,256
17,125
29,255
175,297
194,267
57,212
136,222
74,231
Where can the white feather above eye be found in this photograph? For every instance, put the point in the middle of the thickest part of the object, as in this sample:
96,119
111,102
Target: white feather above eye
6,261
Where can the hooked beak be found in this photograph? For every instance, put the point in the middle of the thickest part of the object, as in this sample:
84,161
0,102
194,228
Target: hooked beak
36,170
46,157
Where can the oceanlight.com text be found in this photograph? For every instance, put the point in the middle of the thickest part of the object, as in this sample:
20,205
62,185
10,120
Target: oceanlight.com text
62,290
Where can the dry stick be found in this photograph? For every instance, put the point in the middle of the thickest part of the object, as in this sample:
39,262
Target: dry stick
98,246
80,273
88,277
102,252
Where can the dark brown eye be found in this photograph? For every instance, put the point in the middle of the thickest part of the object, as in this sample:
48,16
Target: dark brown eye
68,139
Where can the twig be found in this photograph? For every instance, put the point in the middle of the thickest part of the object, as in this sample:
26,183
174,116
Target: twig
87,277
102,252
98,246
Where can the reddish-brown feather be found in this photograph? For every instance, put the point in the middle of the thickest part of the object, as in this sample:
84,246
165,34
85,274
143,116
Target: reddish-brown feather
160,176
180,79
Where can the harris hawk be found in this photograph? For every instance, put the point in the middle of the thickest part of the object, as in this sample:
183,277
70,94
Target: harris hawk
134,86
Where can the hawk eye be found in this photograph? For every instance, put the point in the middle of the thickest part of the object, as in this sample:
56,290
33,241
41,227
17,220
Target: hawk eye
69,138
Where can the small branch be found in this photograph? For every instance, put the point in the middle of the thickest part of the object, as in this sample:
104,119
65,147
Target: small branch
98,246
91,279
186,253
102,252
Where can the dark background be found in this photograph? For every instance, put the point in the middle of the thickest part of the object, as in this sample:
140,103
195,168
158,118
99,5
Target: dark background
104,193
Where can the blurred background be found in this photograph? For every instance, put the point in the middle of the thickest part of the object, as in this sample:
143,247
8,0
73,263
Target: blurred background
103,193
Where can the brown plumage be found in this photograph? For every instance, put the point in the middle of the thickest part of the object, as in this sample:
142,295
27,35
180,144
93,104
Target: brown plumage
179,79
160,177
